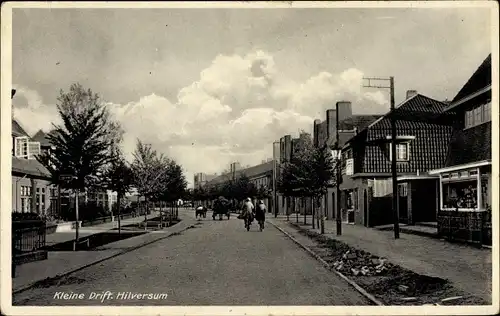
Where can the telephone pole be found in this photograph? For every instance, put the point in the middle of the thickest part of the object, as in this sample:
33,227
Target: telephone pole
395,210
338,215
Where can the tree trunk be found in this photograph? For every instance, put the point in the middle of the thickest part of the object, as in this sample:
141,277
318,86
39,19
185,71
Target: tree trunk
146,213
118,199
295,211
320,214
77,229
305,214
170,214
323,204
313,213
161,216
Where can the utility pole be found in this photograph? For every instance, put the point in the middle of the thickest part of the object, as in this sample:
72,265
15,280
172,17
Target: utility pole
395,210
338,214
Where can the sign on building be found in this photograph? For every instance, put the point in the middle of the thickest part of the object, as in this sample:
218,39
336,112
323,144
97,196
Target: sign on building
349,167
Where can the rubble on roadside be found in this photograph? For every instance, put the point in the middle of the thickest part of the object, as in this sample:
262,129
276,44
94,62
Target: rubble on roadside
390,283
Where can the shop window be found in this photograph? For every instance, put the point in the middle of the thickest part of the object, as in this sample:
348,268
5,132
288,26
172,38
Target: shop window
460,195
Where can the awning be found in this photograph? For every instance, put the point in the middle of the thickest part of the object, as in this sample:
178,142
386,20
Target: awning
460,167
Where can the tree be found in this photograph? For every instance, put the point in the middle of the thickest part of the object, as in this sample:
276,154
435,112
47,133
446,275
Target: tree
175,183
82,144
149,169
308,173
119,178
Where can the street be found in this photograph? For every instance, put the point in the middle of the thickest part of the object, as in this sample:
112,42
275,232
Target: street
216,263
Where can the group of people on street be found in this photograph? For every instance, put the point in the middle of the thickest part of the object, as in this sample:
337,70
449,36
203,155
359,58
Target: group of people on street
249,211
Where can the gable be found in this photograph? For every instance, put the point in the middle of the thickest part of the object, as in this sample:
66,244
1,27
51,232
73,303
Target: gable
17,129
480,78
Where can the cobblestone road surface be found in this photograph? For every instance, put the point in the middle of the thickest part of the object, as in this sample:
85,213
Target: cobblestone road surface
217,263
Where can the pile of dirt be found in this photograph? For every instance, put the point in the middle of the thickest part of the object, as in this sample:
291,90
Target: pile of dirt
390,283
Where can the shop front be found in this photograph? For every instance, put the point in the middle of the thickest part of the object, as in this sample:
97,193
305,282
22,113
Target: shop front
465,202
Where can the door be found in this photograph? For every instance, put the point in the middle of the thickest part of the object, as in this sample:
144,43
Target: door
365,209
334,206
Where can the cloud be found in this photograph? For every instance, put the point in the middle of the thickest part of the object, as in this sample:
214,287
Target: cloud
234,111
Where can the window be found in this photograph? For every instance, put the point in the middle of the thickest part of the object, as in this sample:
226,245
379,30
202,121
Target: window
478,115
462,194
33,149
487,112
21,147
402,151
403,189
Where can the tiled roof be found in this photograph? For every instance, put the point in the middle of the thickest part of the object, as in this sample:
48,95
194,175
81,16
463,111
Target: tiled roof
415,112
417,116
427,151
30,167
17,129
469,145
480,79
40,136
357,121
250,172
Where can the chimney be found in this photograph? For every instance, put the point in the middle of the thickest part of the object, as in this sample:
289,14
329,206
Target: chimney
331,119
411,93
344,110
316,133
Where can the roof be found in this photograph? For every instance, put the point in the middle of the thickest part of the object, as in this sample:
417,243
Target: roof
250,172
41,137
469,145
29,167
480,79
17,129
357,121
417,116
347,126
419,109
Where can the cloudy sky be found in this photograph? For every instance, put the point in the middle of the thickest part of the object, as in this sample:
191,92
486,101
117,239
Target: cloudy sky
211,86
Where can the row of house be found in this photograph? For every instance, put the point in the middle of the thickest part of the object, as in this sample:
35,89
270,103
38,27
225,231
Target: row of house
443,159
260,175
33,190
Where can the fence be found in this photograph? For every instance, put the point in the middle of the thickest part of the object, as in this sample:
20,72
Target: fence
473,227
28,239
105,219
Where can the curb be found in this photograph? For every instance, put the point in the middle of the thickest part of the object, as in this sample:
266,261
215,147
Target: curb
329,267
59,276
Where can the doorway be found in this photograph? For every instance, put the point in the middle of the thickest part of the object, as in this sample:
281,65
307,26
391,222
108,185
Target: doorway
365,209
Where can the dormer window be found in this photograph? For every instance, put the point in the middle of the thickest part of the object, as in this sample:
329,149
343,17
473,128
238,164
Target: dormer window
402,151
21,147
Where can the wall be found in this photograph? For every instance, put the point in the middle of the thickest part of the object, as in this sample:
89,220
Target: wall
19,181
422,196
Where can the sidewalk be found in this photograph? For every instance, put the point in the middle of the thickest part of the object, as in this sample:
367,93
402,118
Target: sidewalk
61,237
61,262
468,268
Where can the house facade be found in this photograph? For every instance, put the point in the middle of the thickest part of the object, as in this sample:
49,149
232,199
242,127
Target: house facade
105,198
32,190
325,133
465,180
260,175
422,138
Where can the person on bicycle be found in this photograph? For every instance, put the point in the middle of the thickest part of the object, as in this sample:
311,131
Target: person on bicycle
248,210
260,214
